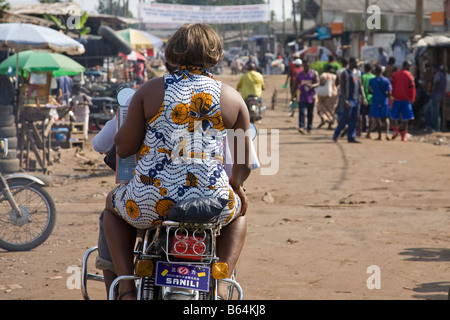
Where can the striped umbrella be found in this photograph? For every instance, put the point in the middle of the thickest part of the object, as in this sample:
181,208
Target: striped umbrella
139,39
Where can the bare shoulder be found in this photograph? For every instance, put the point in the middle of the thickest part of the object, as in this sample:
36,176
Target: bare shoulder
230,95
151,95
231,105
151,87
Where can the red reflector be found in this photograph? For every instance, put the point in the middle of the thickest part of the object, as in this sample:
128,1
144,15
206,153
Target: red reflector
187,247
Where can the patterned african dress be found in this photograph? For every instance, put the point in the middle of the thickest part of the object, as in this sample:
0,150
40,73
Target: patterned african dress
183,153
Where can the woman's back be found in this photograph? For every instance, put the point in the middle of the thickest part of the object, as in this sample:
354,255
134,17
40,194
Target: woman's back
184,143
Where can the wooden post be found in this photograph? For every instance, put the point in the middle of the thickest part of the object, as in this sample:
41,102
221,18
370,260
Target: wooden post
419,29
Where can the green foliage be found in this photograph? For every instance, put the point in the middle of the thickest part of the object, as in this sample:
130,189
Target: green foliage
4,5
319,66
114,8
61,23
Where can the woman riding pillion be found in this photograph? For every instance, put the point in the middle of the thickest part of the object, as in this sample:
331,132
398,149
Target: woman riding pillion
163,116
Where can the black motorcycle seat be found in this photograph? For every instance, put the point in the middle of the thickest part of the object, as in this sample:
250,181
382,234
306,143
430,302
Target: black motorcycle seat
197,210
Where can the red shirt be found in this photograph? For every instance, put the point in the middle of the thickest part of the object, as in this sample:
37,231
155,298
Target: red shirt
403,86
294,71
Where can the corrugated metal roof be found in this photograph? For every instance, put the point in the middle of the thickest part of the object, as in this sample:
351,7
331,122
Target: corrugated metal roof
9,17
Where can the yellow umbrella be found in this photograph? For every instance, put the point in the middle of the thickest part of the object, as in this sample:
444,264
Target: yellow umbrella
139,39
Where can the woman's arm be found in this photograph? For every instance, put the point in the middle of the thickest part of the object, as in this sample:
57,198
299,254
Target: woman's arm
237,120
145,104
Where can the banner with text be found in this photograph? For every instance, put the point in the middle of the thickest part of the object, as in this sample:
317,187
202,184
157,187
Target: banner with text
173,13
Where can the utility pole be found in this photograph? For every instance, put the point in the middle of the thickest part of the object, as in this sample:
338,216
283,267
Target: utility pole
284,21
419,18
366,29
302,13
321,13
294,12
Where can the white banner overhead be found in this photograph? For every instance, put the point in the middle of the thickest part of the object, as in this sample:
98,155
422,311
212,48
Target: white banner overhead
173,13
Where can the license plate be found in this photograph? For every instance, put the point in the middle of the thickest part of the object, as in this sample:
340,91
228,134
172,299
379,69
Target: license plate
182,276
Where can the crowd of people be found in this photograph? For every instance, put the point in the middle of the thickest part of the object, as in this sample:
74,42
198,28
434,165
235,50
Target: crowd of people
362,98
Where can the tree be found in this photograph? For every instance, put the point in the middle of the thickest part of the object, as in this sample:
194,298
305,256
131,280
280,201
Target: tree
71,23
114,8
4,5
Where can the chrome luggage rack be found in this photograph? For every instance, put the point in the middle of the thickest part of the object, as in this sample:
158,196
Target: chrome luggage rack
200,233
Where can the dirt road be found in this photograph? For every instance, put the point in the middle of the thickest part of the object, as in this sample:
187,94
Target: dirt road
330,221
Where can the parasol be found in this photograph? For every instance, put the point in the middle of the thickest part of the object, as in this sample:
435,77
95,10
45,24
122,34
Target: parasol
42,61
133,56
314,50
139,39
24,36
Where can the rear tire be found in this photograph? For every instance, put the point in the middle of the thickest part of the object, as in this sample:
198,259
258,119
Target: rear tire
38,220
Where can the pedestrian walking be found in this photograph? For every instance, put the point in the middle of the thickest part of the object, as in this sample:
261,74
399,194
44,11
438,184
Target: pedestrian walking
432,110
365,123
404,93
380,89
306,82
327,97
351,91
295,67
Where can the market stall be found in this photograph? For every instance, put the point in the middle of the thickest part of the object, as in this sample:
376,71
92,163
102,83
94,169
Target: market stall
18,37
38,107
435,50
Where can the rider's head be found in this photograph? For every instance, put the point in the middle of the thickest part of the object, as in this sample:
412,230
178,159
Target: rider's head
196,45
251,66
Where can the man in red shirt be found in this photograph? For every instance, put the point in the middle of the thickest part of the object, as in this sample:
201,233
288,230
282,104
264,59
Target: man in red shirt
295,67
404,93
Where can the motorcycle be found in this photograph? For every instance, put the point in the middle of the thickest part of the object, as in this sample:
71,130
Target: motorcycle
175,260
27,214
255,108
102,110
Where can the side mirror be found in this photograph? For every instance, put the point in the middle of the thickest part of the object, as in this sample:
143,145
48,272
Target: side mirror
253,131
3,147
124,96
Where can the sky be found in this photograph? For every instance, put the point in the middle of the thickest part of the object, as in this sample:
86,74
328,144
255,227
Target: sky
91,5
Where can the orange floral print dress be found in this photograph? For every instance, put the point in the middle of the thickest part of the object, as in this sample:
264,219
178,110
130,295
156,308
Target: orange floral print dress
183,153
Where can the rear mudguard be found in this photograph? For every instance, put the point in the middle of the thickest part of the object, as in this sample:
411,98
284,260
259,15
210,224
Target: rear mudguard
25,176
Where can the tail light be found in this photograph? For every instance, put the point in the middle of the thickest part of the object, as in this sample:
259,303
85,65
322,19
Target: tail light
188,245
252,101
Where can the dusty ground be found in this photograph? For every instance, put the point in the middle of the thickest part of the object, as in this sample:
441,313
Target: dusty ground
315,227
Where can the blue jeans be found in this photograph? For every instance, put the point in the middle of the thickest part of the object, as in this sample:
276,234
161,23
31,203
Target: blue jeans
432,112
304,106
347,116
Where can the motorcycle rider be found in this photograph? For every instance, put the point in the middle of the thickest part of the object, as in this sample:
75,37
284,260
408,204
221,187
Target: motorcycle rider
193,48
251,83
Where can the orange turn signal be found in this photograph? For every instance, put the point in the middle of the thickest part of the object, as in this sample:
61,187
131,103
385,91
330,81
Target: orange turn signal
219,270
144,268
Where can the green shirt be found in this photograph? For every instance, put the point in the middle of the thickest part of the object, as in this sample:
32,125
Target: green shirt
365,78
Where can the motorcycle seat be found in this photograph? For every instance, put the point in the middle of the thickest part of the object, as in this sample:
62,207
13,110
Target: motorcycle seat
197,210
